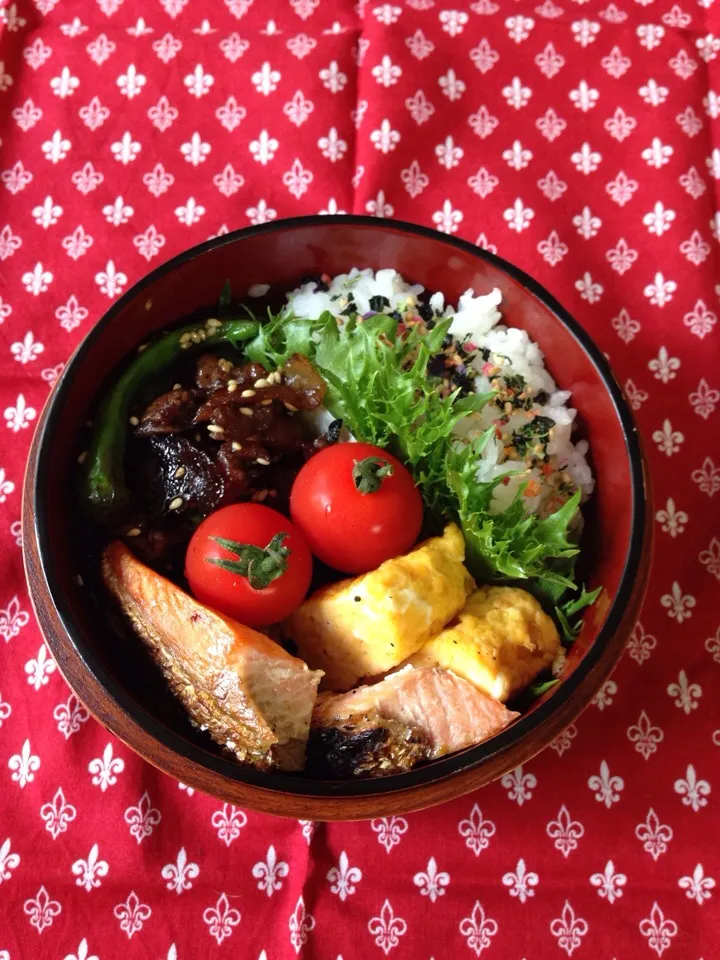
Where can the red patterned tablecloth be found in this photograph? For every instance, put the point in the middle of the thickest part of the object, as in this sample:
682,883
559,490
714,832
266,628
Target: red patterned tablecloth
578,139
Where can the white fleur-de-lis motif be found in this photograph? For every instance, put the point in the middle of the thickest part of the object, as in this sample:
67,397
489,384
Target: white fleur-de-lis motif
565,832
696,250
57,814
389,830
298,109
679,605
667,439
693,791
671,519
162,114
131,82
712,645
65,84
586,160
262,212
607,789
9,244
221,919
195,150
476,831
132,914
635,395
228,822
266,79
149,243
686,694
519,785
87,179
270,872
343,877
5,710
77,243
158,180
518,216
385,138
604,697
657,154
564,741
234,47
654,835
550,125
516,93
142,818
41,910
584,97
47,213
331,208
664,366
179,875
378,205
386,73
432,881
710,558
659,219
589,289
307,828
332,146
705,398
297,179
521,882
17,418
110,280
12,619
263,149
231,114
447,219
40,668
568,929
587,224
105,769
700,320
609,883
26,350
37,280
620,125
24,765
478,929
71,314
420,47
387,928
660,291
27,115
8,860
83,952
451,85
101,49
333,79
706,477
198,83
301,923
483,123
645,736
517,157
552,248
658,930
697,887
125,150
414,179
483,182
90,872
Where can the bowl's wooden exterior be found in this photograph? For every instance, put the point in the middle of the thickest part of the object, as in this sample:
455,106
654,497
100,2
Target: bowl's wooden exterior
305,804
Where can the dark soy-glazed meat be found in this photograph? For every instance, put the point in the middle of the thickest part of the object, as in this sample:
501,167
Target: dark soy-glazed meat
234,435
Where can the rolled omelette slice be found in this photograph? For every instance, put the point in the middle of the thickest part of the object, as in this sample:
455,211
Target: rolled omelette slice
367,625
500,641
250,695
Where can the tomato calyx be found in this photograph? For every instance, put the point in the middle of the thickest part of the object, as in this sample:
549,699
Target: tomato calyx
260,565
368,474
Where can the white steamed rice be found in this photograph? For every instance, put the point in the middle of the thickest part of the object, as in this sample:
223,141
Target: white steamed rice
477,320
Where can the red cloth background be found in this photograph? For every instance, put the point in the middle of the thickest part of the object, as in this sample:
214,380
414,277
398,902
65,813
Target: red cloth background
578,139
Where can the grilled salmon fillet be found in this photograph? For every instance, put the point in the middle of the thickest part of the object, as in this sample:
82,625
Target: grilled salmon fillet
249,694
417,713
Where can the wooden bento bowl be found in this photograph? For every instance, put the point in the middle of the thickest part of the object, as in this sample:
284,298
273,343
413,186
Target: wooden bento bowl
107,666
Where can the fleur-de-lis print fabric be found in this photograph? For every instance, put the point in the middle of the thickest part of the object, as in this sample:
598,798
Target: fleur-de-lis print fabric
577,138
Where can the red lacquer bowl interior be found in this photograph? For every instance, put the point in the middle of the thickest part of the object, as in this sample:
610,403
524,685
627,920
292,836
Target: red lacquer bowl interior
107,666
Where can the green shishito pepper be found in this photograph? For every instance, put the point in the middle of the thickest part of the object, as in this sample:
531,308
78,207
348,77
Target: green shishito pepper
105,478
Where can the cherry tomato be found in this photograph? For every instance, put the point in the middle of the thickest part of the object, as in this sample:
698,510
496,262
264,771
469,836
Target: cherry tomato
357,506
250,563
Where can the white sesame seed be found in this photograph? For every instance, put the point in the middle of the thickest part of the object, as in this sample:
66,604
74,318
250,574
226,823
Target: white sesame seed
82,457
290,407
215,429
143,346
148,304
79,580
135,532
247,411
263,462
248,393
262,382
177,386
134,421
259,496
185,338
180,472
232,386
235,446
176,503
266,403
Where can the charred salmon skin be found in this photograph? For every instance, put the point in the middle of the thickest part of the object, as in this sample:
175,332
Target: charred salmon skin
249,694
415,714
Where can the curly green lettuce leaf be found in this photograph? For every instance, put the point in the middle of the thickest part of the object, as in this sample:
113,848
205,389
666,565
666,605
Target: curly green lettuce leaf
569,613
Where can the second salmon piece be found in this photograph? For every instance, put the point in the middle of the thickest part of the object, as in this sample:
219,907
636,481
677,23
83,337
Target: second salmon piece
412,715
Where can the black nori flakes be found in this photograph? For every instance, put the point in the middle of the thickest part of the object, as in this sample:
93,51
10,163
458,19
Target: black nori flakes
425,313
333,431
542,397
378,303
